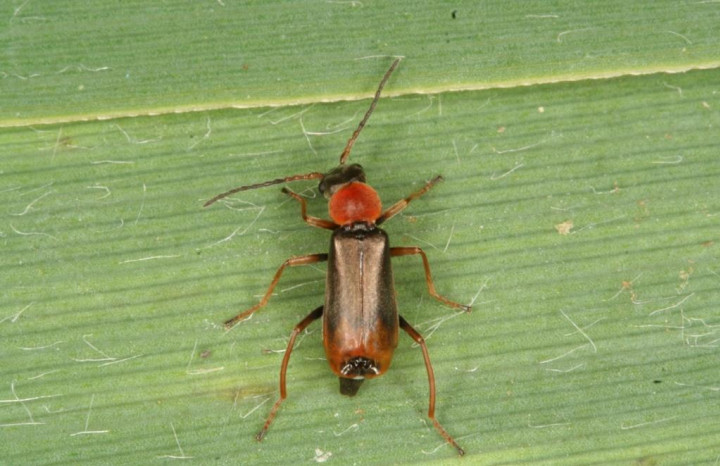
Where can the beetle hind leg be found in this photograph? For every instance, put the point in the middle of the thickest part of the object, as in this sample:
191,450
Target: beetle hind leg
310,318
431,382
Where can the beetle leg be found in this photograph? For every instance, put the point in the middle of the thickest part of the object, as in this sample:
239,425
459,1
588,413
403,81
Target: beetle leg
407,251
310,220
310,318
293,261
402,203
431,381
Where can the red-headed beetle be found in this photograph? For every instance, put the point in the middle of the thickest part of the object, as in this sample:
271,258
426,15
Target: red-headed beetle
360,315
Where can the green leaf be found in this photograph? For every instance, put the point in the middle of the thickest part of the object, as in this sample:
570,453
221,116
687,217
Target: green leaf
579,213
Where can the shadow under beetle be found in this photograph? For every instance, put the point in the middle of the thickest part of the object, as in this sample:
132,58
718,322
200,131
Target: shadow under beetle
360,315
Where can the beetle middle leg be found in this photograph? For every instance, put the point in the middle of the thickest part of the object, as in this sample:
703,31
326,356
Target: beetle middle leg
407,251
310,318
293,261
431,381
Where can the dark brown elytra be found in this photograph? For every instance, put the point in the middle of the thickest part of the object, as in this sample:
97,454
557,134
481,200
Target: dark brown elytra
360,315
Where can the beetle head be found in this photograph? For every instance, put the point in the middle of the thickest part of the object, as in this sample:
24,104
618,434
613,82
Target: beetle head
339,176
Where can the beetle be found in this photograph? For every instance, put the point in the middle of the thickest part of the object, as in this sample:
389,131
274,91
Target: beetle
360,314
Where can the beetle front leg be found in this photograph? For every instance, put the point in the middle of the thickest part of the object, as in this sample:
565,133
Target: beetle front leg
293,261
310,220
408,251
310,318
400,205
